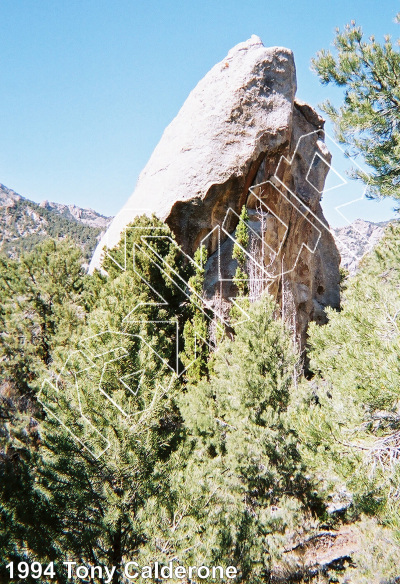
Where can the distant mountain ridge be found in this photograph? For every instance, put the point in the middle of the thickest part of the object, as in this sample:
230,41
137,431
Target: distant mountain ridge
357,239
24,223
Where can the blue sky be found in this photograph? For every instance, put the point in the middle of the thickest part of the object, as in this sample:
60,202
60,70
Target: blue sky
88,86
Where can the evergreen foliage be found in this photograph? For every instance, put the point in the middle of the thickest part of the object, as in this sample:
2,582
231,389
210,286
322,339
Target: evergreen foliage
26,224
348,416
241,243
230,464
368,120
196,335
107,455
97,506
45,298
158,292
244,481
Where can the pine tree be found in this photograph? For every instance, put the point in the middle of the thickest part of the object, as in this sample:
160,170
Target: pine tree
160,273
240,487
45,296
110,421
196,334
347,416
368,120
241,243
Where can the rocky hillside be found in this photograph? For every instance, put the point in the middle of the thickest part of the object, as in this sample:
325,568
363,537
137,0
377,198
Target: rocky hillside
24,223
357,239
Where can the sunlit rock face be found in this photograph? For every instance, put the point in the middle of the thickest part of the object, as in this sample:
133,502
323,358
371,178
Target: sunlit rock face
240,127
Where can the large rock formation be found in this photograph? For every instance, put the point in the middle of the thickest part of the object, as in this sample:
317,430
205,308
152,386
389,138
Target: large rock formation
240,127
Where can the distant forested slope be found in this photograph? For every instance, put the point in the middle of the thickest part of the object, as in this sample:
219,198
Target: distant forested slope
23,224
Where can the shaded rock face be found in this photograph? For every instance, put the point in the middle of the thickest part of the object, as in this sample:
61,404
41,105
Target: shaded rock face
242,127
288,234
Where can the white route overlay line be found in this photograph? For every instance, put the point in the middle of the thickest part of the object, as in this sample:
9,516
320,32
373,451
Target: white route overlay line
91,365
324,190
91,360
184,287
51,413
283,159
276,253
